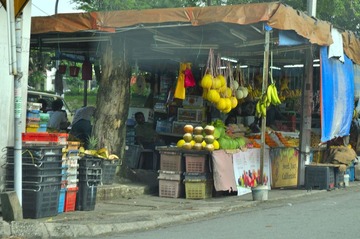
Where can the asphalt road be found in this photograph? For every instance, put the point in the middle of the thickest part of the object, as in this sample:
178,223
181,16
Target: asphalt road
334,214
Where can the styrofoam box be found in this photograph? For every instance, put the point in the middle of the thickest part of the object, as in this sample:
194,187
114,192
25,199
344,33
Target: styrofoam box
191,115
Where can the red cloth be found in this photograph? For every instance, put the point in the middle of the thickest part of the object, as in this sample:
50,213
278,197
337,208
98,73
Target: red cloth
189,78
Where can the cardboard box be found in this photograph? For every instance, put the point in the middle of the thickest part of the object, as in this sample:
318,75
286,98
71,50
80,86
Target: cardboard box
191,115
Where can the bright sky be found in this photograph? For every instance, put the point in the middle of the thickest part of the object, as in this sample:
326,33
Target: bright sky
47,7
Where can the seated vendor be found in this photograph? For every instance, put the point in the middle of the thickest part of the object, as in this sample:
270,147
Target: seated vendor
145,133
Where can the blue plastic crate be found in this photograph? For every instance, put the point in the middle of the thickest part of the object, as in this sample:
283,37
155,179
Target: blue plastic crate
351,171
62,200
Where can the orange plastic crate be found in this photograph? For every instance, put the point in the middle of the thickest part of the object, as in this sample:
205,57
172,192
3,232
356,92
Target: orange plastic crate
70,199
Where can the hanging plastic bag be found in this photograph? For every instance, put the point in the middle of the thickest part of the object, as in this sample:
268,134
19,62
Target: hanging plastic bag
189,77
180,85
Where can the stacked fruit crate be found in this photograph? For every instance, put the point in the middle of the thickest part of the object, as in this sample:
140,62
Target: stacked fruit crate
71,163
90,174
41,179
33,117
171,174
198,178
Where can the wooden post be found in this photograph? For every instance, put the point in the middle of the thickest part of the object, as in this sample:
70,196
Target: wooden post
264,88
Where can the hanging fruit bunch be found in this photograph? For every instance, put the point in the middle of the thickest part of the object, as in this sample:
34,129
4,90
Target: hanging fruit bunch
268,98
215,87
238,84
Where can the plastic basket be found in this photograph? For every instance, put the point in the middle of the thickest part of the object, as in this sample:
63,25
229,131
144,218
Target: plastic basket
31,170
197,176
171,188
132,155
37,179
70,199
90,173
51,153
89,161
170,175
108,171
196,163
171,161
86,197
39,200
319,177
198,189
61,200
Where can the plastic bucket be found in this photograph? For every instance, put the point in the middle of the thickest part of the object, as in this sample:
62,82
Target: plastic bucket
260,193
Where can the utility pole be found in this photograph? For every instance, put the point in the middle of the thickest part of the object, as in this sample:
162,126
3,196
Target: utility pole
14,25
307,103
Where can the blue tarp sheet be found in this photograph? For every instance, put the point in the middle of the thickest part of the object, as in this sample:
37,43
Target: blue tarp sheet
337,96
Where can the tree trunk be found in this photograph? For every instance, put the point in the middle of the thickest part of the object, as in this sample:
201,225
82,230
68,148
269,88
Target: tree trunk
113,99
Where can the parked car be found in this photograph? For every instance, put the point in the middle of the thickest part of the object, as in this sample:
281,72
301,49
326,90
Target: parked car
34,96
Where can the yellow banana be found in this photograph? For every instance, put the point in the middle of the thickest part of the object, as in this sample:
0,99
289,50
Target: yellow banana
275,98
269,93
263,109
258,108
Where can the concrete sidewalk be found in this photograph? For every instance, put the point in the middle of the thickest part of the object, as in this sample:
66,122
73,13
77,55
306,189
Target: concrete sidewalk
136,212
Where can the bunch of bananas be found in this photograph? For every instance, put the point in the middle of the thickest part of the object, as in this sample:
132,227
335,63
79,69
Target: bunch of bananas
270,97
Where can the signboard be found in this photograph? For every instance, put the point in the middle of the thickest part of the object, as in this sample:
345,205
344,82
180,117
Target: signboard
18,4
247,169
284,166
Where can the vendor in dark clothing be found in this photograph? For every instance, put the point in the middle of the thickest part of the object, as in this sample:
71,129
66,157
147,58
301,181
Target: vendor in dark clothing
145,133
81,126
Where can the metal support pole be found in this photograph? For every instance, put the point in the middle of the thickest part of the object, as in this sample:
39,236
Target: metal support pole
306,109
264,87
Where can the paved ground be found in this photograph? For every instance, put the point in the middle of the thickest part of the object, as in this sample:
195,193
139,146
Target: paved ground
135,213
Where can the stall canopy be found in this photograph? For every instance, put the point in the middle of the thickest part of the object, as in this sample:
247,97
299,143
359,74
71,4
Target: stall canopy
180,34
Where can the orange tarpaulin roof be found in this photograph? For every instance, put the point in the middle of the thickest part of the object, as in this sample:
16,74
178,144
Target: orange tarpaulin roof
275,14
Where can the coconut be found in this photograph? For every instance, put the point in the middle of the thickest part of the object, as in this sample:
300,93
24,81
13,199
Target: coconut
188,128
198,138
187,137
187,146
197,146
209,139
209,147
198,130
209,129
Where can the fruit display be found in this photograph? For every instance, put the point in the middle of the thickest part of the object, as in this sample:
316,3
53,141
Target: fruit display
224,140
198,138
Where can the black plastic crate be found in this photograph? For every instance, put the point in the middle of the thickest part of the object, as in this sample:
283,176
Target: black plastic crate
32,170
90,173
86,197
37,179
319,177
39,200
37,151
36,160
89,161
108,171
